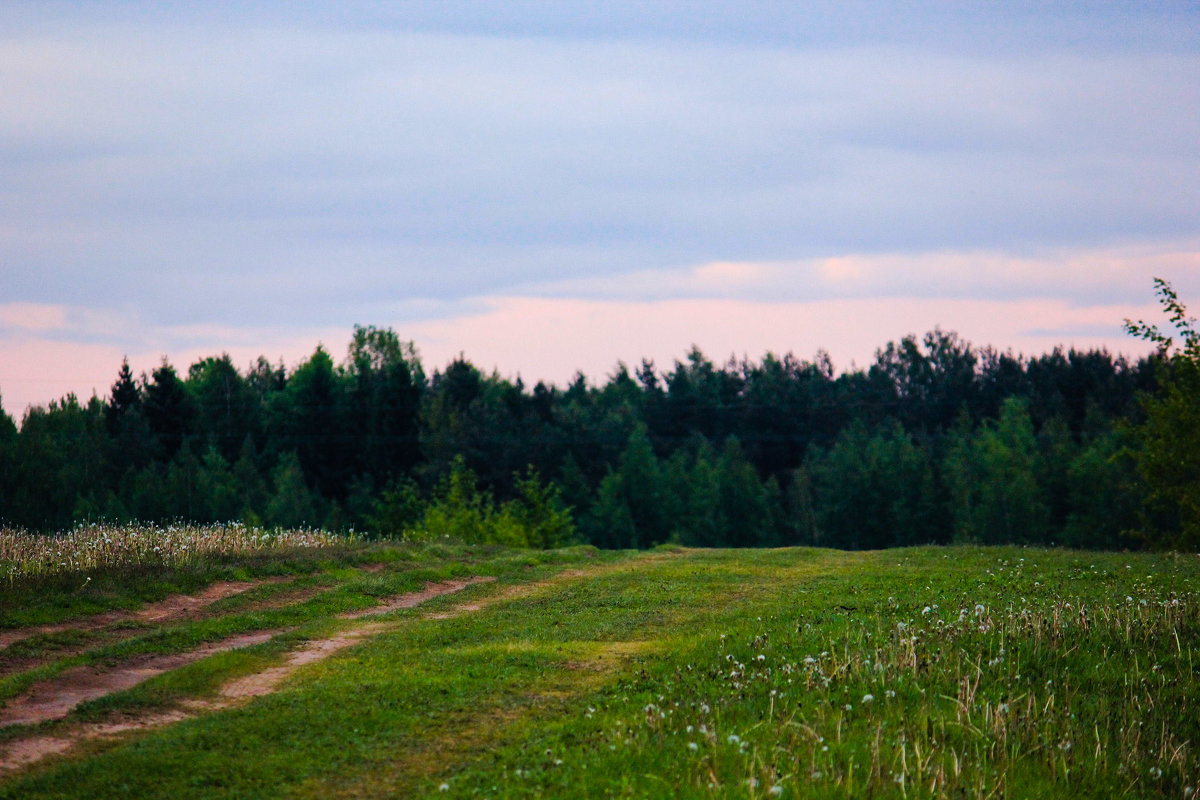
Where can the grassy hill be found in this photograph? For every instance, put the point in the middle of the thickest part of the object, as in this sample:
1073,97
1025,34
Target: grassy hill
378,671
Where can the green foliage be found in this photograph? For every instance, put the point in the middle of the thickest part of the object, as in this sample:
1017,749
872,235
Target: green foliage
993,478
700,518
539,512
386,382
536,517
1105,494
397,511
226,406
872,490
610,523
170,410
920,672
744,453
459,510
1168,456
746,519
292,503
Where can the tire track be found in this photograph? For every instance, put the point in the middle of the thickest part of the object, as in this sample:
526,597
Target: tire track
55,699
172,607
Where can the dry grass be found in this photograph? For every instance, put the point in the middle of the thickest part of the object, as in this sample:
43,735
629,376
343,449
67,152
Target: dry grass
103,546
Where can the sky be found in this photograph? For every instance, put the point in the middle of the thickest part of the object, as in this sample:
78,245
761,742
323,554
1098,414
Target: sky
552,187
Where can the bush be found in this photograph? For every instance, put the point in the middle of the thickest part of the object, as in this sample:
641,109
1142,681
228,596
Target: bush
535,518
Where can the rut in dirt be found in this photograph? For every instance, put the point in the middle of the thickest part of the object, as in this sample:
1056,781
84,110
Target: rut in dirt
55,699
174,607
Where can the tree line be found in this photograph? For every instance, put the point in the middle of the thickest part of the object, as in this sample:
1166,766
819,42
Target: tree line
935,441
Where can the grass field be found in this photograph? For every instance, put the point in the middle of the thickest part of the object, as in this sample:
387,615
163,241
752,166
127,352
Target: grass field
931,672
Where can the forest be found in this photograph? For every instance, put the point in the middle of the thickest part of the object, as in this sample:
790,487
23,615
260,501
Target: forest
936,441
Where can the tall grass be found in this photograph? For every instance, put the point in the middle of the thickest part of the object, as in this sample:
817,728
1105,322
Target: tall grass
100,546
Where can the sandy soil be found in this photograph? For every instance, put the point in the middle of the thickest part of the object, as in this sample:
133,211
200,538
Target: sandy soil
175,606
54,699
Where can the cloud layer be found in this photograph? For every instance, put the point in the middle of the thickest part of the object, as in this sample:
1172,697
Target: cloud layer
186,178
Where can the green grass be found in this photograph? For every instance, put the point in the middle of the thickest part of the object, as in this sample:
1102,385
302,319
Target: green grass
931,672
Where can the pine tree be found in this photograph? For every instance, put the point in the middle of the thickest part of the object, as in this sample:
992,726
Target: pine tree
292,503
126,398
169,410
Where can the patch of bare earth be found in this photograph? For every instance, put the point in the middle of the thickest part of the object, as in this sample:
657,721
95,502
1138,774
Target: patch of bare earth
173,607
268,680
178,606
55,699
414,599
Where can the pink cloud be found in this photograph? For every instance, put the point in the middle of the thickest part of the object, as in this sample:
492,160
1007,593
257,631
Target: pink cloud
32,316
547,339
34,371
550,339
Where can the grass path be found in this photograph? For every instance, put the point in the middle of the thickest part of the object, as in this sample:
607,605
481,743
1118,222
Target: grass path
174,606
917,673
41,697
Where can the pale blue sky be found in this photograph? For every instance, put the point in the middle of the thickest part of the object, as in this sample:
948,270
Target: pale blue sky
183,178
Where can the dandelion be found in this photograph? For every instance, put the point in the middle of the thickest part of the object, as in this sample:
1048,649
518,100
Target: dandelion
776,790
445,787
979,609
868,698
925,611
693,746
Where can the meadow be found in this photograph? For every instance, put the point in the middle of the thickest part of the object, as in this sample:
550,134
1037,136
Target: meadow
439,669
